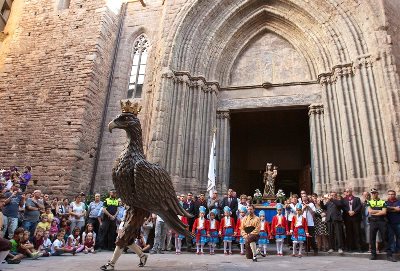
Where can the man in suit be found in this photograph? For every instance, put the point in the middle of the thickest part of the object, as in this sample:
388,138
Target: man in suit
215,203
352,208
200,202
334,221
231,202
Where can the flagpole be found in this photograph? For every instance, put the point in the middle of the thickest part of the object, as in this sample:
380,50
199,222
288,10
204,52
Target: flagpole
212,167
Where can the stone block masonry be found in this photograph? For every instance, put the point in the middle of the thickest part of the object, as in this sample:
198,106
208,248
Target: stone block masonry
54,71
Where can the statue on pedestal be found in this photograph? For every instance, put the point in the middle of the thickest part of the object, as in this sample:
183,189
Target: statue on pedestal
269,180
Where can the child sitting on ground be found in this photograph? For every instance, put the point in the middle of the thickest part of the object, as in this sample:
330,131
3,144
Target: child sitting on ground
89,229
74,240
58,247
15,256
46,246
89,243
38,242
27,248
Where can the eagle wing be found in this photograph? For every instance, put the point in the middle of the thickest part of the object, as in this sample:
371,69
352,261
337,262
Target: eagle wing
156,193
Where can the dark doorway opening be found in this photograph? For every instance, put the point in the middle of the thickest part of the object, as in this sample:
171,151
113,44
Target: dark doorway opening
280,136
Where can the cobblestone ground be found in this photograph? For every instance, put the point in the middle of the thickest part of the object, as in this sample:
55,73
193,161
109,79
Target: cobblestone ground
190,261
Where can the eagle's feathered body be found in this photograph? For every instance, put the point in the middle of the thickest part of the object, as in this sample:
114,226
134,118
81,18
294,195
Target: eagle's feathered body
145,187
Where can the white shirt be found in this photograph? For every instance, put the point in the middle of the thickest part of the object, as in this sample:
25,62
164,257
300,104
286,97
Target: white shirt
262,226
307,214
201,223
292,212
57,243
212,224
46,243
299,221
78,209
227,221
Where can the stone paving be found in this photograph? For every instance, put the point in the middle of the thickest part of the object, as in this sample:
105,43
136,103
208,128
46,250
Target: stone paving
186,261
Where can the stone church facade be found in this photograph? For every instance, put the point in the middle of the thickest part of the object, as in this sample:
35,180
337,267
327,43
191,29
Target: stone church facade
196,67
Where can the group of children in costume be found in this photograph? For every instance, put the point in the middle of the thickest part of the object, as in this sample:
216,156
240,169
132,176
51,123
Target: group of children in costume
210,230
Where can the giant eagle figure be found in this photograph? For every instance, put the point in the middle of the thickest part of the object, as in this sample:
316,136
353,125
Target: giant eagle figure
145,187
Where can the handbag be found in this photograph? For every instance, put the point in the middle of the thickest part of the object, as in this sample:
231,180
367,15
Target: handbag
249,229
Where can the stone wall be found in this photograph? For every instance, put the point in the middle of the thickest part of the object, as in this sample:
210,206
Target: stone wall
269,58
54,68
392,10
138,20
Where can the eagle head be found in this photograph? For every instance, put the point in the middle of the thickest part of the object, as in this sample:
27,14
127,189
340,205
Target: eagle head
125,121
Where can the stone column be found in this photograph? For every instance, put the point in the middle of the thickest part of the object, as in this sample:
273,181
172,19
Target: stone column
223,150
318,148
189,134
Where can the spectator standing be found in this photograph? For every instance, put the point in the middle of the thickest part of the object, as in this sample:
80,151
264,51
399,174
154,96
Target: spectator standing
33,207
365,223
94,210
200,202
108,227
377,209
308,214
77,213
214,203
393,216
14,199
232,202
242,203
25,178
64,208
160,235
352,208
321,230
334,221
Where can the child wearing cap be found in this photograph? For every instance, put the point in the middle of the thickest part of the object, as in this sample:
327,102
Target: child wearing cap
226,230
265,232
299,230
213,239
279,229
242,215
200,228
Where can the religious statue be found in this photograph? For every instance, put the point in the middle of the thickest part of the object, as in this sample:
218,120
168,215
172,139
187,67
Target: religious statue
269,180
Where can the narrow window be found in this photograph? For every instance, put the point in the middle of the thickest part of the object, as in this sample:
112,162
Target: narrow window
63,4
136,77
5,11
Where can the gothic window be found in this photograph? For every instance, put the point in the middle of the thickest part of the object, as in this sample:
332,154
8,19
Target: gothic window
5,11
136,77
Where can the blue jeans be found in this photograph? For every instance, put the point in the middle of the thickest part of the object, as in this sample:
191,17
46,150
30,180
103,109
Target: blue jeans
10,225
30,226
394,237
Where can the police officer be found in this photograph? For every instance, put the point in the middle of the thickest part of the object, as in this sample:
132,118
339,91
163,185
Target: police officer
377,221
108,226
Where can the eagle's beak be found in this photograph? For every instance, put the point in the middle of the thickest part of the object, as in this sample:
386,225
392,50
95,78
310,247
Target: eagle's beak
111,126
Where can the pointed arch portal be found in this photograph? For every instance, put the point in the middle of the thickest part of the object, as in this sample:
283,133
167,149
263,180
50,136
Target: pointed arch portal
227,57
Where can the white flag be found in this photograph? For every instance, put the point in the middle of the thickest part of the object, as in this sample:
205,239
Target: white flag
211,168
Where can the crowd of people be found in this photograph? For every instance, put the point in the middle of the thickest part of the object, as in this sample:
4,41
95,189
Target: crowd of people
34,225
332,222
